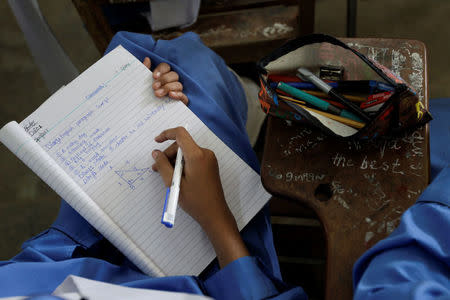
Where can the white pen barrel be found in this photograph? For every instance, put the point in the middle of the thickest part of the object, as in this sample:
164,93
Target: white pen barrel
172,203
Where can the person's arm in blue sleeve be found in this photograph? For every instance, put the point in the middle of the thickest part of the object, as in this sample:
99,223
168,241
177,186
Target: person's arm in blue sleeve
72,246
202,197
414,261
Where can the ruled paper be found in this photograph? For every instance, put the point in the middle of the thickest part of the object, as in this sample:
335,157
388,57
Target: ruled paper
16,139
99,131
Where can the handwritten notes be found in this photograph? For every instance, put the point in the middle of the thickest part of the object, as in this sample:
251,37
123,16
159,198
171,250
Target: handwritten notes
98,132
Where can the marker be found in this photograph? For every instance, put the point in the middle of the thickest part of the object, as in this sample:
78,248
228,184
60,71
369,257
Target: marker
324,96
349,97
323,86
173,192
354,124
322,104
346,86
282,94
302,85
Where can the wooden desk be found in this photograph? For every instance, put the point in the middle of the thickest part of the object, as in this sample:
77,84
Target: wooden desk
238,30
358,190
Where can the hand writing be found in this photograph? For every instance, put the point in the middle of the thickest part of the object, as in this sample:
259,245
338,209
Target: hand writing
201,193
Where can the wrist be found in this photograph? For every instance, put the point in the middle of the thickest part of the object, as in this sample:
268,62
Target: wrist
222,222
226,240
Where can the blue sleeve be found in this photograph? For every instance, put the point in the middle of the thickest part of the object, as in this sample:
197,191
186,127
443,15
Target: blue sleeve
247,278
215,94
73,246
414,261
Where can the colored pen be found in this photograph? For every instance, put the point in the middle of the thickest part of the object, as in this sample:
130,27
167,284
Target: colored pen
322,104
173,192
282,94
345,121
349,97
360,86
305,74
302,85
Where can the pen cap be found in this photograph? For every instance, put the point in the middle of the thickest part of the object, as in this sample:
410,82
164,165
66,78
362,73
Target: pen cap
307,75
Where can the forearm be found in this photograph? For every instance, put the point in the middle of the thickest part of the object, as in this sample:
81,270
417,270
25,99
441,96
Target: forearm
226,239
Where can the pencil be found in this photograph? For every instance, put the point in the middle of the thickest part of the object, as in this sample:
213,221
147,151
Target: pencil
343,120
291,99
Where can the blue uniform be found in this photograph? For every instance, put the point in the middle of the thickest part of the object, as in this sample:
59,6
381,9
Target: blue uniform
414,261
72,246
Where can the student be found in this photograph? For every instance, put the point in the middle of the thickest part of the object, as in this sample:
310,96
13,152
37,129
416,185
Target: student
412,263
247,266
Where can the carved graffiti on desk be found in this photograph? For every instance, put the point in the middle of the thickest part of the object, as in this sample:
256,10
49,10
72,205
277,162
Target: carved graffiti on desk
416,141
373,53
341,161
385,226
295,177
376,199
303,140
341,194
401,61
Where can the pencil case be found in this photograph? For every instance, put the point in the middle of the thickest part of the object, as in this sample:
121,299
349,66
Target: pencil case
398,107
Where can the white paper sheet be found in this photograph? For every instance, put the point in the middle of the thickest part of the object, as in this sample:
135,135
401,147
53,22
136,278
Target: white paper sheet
99,133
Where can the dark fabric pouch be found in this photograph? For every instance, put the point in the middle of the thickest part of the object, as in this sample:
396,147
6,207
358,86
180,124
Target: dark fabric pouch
400,112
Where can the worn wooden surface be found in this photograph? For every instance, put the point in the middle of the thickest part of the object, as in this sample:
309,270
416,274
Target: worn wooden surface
238,30
358,190
245,35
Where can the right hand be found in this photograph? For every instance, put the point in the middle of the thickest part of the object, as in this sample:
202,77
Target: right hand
201,193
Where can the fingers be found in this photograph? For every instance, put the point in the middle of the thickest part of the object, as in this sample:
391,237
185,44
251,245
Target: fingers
171,153
166,78
163,90
147,62
163,166
179,96
166,83
184,140
161,69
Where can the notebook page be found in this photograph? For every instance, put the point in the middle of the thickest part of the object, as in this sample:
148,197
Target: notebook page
19,141
100,129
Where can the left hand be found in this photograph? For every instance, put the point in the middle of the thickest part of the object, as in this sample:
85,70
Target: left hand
166,82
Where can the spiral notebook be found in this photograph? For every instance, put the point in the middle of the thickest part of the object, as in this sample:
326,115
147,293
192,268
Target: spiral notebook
91,143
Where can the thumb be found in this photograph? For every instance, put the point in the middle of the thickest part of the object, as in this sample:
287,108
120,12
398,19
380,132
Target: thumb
163,166
147,62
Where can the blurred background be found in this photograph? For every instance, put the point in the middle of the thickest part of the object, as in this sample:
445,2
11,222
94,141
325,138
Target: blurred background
28,206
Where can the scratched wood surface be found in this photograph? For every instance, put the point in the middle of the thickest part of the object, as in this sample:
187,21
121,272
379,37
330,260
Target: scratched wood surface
358,190
238,30
244,35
